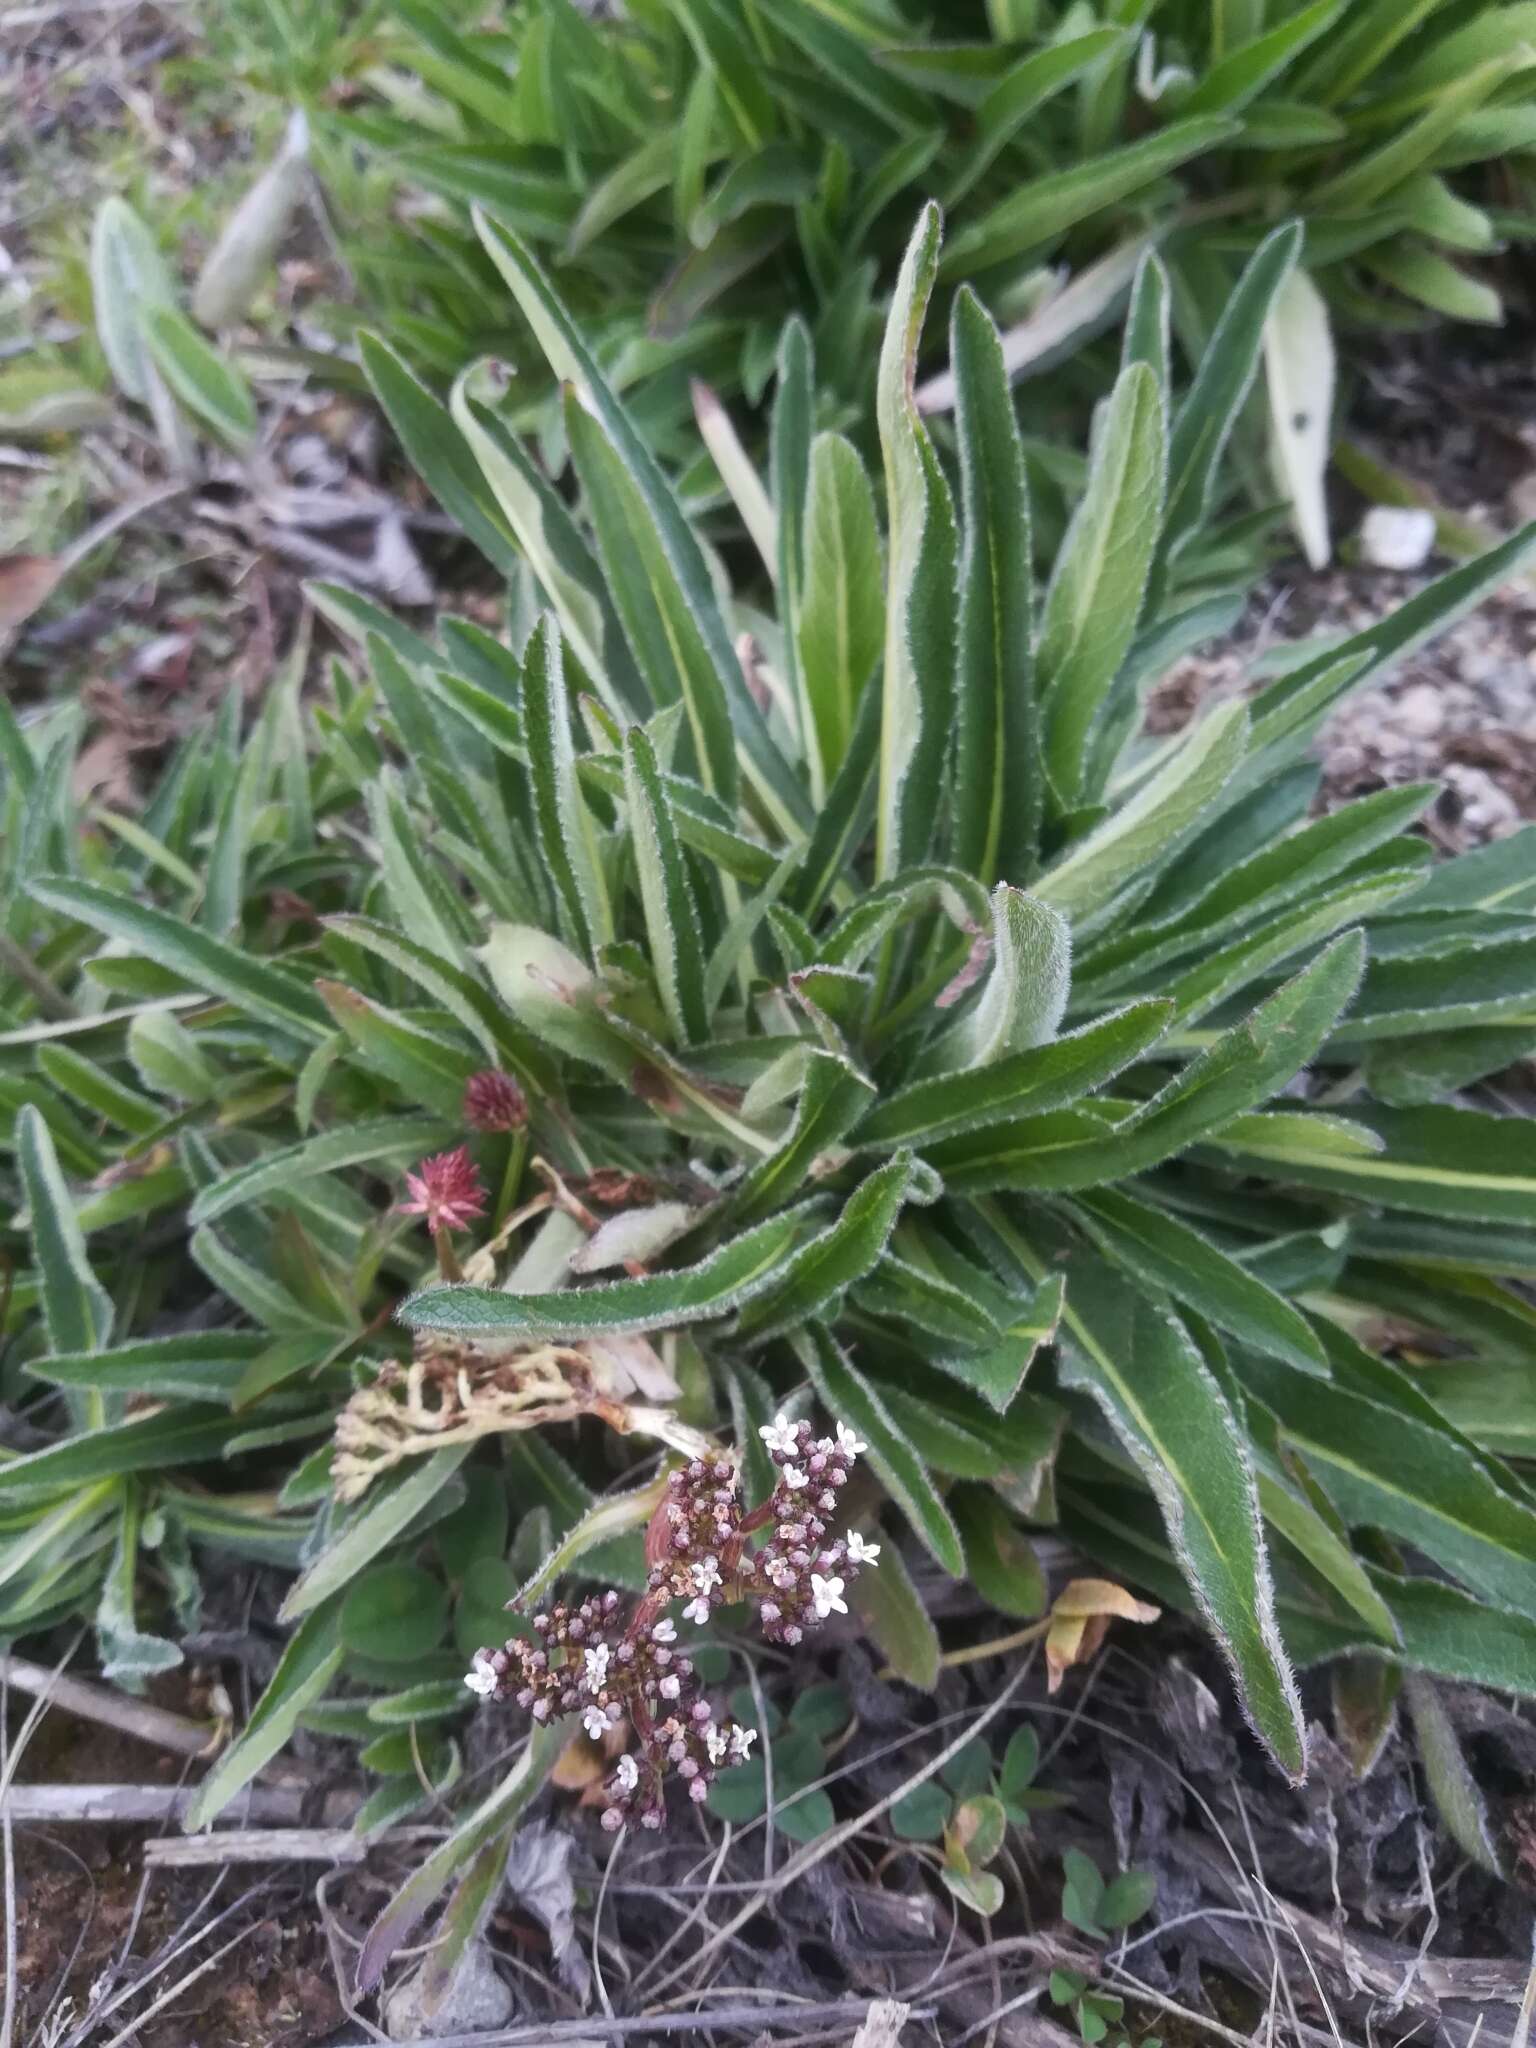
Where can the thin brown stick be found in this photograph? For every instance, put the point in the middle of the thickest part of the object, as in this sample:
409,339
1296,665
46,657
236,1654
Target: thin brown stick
255,1845
835,2012
111,1709
157,1805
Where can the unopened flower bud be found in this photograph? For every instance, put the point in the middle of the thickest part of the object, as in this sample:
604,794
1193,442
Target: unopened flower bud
493,1101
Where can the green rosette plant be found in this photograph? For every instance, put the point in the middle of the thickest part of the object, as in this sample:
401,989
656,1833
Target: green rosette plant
777,984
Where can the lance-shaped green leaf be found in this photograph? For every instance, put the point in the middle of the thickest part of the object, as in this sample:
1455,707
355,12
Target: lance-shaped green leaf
204,381
1145,831
716,1286
1387,1469
146,1443
666,892
128,277
252,986
427,1068
464,997
1094,600
309,1662
840,619
566,830
1222,382
1477,984
129,1655
1169,1411
359,1144
202,1365
703,823
1368,177
1044,1078
920,1300
1000,1561
391,1505
1068,1149
556,550
833,1096
1156,1247
440,453
496,1813
920,579
1024,996
1040,209
789,481
897,1621
77,1309
1457,1636
1452,1786
1248,960
670,650
683,590
1440,1161
1244,890
999,788
1244,72
998,1372
1023,88
848,1395
603,1522
822,1269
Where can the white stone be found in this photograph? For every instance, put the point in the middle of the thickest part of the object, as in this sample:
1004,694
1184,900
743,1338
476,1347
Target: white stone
1420,711
1397,537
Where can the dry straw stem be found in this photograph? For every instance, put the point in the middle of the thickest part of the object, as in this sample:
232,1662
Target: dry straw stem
111,1709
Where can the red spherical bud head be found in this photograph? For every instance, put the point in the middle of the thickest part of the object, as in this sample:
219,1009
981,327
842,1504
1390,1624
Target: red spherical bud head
494,1102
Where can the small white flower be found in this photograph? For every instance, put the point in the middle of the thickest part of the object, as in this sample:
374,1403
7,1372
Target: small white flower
697,1611
848,1442
481,1680
627,1773
670,1686
706,1574
742,1740
827,1595
595,1721
860,1552
597,1667
794,1478
664,1632
781,1434
717,1742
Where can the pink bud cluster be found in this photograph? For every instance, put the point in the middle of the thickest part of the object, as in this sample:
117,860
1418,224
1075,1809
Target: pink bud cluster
615,1667
493,1101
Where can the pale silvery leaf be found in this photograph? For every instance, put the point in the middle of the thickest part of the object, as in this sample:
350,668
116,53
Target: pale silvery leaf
920,581
241,259
634,1234
1299,366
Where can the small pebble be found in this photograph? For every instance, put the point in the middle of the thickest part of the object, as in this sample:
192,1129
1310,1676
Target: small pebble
1396,537
1419,711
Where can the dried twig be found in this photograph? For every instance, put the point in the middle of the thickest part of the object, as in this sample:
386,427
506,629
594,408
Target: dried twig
847,2012
111,1709
255,1845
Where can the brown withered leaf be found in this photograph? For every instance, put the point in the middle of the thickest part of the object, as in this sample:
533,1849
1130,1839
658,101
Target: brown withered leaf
26,582
1080,1618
